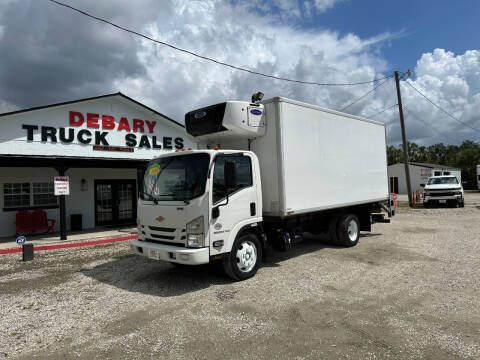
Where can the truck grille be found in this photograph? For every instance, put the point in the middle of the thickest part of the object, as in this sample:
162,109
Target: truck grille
155,228
165,242
442,193
164,235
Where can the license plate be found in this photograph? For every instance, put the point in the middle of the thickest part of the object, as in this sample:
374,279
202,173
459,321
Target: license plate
154,254
443,201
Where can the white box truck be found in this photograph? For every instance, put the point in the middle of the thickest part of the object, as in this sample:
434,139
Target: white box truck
265,173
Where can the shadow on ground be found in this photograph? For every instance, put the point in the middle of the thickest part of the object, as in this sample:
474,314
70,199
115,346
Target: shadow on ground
140,274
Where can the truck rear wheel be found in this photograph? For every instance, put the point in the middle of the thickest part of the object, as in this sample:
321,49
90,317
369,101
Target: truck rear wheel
348,230
244,259
332,229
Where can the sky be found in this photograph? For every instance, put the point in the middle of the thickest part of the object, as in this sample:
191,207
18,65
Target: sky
50,54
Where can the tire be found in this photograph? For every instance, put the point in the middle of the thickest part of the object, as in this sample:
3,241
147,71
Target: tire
348,230
452,203
332,229
461,203
244,260
426,204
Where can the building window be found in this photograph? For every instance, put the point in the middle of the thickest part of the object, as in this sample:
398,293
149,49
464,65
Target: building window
16,195
43,194
25,195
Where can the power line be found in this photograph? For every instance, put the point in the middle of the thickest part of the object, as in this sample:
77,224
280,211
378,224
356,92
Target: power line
211,59
430,127
382,111
441,109
367,93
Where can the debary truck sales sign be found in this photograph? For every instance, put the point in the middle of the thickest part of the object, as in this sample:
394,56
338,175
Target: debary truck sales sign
112,127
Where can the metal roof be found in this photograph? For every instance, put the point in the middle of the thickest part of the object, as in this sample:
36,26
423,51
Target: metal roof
92,98
432,166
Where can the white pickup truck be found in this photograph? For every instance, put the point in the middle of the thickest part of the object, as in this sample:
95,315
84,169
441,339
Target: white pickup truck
443,189
264,174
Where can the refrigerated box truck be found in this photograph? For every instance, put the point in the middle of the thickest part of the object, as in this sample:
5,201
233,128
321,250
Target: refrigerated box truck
265,174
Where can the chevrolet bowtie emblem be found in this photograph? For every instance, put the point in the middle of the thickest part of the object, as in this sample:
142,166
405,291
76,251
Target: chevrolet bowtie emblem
160,219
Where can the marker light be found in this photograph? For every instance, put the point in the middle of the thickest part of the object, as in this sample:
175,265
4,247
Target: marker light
216,147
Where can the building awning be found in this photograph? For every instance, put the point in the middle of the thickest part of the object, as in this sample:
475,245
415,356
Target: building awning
69,162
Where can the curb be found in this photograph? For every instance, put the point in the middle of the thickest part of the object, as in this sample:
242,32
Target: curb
70,245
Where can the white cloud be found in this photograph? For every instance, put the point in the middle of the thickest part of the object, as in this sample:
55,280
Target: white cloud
452,82
176,83
324,5
60,56
6,107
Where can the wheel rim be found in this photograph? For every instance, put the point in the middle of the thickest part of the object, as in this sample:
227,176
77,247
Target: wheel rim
246,256
352,230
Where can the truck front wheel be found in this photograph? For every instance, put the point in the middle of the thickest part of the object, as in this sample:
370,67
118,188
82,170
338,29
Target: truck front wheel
348,230
244,259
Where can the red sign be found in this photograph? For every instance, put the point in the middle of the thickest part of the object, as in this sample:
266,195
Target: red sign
425,172
108,122
113,148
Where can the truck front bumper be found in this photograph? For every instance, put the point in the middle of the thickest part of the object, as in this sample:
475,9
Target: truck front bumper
181,255
428,198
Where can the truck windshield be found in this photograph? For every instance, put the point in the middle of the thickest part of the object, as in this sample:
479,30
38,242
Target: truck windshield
176,178
443,181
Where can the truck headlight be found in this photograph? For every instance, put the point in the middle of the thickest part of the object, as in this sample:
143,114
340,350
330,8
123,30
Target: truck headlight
195,233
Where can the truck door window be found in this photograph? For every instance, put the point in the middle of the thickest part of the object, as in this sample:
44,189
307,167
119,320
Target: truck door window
243,166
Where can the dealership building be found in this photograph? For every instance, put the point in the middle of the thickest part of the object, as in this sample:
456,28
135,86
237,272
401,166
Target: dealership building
102,144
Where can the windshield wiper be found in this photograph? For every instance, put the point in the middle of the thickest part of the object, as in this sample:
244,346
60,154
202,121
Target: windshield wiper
186,201
150,197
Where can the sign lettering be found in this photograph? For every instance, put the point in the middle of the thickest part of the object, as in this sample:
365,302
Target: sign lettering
61,185
93,128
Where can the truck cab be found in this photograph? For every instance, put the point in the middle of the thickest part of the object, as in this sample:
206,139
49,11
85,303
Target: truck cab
193,206
443,190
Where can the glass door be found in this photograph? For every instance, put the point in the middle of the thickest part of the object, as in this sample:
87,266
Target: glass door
125,201
103,204
115,202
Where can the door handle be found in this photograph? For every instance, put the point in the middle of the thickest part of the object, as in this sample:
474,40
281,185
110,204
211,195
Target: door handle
253,210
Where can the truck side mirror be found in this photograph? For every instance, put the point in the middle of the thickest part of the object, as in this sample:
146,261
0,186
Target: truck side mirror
230,173
215,212
422,185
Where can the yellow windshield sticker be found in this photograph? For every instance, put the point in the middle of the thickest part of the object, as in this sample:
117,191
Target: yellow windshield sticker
154,169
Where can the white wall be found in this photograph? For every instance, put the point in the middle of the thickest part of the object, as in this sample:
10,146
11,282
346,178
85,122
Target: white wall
78,202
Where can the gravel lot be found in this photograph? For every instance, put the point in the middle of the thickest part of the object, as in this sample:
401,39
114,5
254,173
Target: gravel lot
410,289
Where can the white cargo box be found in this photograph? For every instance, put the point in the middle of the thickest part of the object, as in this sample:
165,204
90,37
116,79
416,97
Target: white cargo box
313,158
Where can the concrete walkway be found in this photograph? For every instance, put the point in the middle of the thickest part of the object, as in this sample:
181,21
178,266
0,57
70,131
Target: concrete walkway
78,236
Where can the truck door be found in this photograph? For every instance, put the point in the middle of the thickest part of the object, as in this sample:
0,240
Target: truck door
242,203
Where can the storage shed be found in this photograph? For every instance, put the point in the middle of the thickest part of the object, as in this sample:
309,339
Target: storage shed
419,174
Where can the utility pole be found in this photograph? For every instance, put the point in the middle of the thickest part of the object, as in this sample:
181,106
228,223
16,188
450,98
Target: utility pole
404,140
